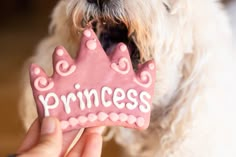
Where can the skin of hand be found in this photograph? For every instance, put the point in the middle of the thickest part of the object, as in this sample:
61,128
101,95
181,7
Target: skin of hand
47,140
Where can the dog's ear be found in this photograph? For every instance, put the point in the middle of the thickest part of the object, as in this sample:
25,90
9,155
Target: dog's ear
174,5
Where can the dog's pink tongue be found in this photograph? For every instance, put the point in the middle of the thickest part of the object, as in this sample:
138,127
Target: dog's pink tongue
94,89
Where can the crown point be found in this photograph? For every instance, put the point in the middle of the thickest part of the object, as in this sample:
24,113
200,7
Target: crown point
60,52
91,44
87,33
123,47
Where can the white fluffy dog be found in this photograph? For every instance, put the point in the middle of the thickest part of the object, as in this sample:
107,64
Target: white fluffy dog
191,43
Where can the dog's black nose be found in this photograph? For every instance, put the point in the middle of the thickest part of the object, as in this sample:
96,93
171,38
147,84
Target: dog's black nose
98,2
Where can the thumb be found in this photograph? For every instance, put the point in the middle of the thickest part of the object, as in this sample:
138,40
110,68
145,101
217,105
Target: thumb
50,140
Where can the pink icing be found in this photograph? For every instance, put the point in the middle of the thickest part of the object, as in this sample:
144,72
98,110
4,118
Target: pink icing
94,89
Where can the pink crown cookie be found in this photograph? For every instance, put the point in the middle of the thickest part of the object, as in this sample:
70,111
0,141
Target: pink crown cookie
94,89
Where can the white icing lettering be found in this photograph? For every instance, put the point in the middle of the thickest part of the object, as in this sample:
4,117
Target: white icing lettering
89,94
45,102
66,101
88,99
103,96
118,96
81,101
131,95
145,106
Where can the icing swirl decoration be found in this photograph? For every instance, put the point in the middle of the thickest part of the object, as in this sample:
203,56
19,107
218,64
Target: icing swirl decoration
146,79
64,69
123,66
42,84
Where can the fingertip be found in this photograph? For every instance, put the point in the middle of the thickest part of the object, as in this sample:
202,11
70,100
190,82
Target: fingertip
50,139
95,130
93,142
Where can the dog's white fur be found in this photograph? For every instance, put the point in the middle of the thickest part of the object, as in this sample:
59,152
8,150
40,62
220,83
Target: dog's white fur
191,43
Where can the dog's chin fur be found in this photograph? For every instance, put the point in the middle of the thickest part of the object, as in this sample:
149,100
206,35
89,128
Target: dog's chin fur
191,43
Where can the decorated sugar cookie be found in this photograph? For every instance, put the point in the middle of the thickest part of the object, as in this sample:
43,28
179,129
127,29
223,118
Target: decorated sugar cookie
94,89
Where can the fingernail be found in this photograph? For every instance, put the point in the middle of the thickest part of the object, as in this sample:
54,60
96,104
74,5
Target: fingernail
48,126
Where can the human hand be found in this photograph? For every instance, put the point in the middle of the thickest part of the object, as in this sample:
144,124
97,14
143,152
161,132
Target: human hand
48,141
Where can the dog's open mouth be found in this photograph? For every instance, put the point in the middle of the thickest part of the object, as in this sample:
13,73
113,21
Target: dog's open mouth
111,33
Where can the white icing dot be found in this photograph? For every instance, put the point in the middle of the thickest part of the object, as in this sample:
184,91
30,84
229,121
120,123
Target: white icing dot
82,119
36,71
60,52
131,119
73,121
87,33
123,48
92,117
91,44
64,125
102,116
140,122
123,117
151,66
77,86
114,117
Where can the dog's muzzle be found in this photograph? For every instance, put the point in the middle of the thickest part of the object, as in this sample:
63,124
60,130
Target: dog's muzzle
98,2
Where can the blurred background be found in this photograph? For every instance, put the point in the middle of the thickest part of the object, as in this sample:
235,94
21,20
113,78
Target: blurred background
23,23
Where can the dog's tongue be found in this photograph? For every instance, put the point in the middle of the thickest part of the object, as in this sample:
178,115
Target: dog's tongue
94,89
